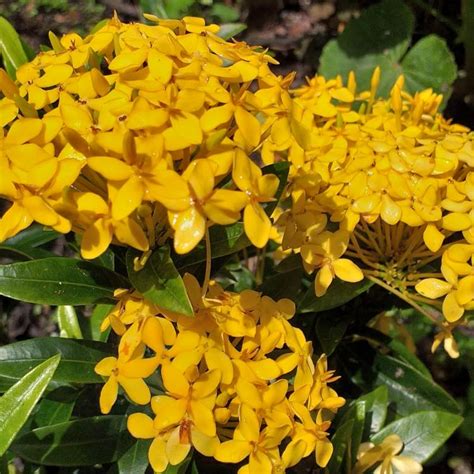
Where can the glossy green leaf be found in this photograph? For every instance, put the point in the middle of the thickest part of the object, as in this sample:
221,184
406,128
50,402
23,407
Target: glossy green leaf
78,359
32,237
339,293
83,442
135,459
107,259
18,402
355,412
11,48
159,281
21,255
236,277
26,244
403,353
340,441
68,323
59,281
51,412
376,403
409,390
229,30
422,433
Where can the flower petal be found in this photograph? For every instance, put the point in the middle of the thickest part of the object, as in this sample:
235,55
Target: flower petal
140,426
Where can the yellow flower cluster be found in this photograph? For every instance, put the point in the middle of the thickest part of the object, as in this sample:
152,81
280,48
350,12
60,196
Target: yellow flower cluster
237,382
127,135
382,189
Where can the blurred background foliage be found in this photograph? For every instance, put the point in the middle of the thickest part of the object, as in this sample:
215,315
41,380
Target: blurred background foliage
430,41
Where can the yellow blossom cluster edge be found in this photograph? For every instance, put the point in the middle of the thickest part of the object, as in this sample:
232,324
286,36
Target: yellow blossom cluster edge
238,381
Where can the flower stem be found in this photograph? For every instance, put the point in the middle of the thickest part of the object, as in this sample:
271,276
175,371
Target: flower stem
405,298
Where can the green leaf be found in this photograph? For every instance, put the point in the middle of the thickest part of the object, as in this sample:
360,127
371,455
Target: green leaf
11,48
330,330
83,442
224,13
78,359
68,323
467,427
25,245
403,353
155,7
135,460
229,30
339,293
376,403
51,412
21,255
340,441
356,412
379,37
410,390
18,402
59,281
429,63
283,285
422,433
159,281
32,237
236,277
99,313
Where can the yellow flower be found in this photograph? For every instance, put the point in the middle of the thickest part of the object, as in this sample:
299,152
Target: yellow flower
313,434
195,399
170,445
385,453
324,252
260,446
259,188
458,292
128,374
101,227
446,337
200,201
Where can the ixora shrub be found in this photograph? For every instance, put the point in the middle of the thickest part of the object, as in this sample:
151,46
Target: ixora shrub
162,146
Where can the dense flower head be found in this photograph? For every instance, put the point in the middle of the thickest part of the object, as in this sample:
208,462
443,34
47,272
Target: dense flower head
383,189
238,381
128,136
140,133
